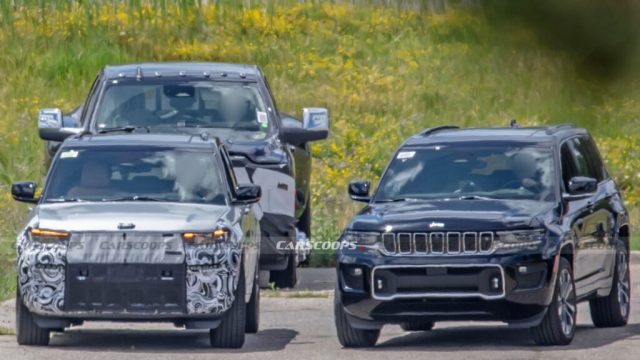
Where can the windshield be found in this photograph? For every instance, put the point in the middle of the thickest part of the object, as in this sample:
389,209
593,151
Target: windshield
202,104
135,174
469,172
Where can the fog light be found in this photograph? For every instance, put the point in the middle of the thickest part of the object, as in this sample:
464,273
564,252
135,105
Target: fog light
495,283
356,271
522,269
380,284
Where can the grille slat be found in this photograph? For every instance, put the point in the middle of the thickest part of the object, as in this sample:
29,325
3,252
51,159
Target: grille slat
437,243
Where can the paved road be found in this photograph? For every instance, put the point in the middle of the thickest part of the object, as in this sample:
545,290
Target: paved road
302,328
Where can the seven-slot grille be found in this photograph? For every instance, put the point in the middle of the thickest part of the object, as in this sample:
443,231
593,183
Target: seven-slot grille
437,243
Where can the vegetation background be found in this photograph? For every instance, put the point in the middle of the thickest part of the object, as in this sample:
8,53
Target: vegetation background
385,69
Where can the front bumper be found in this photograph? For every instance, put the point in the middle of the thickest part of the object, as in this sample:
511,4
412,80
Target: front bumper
516,289
200,286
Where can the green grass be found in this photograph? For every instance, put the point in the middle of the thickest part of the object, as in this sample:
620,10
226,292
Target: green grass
384,72
635,242
6,331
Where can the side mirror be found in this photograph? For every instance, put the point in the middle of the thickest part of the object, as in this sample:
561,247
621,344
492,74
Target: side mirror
24,191
579,185
54,126
315,126
247,194
359,190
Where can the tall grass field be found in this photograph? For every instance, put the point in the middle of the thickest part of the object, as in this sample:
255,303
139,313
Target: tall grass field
384,70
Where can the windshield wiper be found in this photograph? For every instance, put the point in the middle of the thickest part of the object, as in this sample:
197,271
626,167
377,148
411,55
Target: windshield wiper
127,129
133,198
473,197
64,200
400,199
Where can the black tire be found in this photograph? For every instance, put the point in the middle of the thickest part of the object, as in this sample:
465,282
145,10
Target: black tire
304,223
27,330
253,310
417,326
288,277
559,323
350,337
613,310
230,333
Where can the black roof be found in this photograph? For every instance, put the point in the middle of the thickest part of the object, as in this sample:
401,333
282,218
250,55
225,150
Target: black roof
541,134
182,69
161,140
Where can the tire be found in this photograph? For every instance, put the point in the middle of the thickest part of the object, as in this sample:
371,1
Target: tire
304,223
613,310
350,337
230,333
27,330
288,277
559,323
417,326
253,310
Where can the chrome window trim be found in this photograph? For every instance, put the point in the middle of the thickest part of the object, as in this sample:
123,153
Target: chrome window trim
438,294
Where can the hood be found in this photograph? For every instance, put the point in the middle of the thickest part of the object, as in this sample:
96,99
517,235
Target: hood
146,216
256,146
453,215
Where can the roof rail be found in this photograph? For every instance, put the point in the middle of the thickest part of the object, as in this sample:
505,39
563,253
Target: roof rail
551,129
431,130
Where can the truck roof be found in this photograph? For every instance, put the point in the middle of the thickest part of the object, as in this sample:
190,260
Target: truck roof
182,69
176,140
541,134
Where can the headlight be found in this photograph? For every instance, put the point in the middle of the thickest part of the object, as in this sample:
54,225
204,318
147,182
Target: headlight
206,238
45,236
360,238
519,239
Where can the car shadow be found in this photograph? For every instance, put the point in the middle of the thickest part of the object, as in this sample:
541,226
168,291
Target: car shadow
165,341
473,338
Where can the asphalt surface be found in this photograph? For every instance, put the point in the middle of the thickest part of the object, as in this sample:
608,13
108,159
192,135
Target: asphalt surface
302,328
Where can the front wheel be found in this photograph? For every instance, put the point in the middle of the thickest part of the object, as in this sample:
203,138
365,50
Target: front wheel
230,333
559,323
253,309
613,310
27,330
349,336
288,277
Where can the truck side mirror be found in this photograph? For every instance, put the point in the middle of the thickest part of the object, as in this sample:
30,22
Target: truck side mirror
359,190
24,191
53,126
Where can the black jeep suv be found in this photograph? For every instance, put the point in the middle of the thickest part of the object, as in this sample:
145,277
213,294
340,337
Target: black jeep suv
507,224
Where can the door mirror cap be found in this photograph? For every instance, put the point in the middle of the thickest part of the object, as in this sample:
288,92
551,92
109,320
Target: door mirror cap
579,185
359,190
299,136
54,126
247,194
24,191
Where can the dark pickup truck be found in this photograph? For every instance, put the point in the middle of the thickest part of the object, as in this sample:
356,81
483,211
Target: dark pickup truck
232,102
